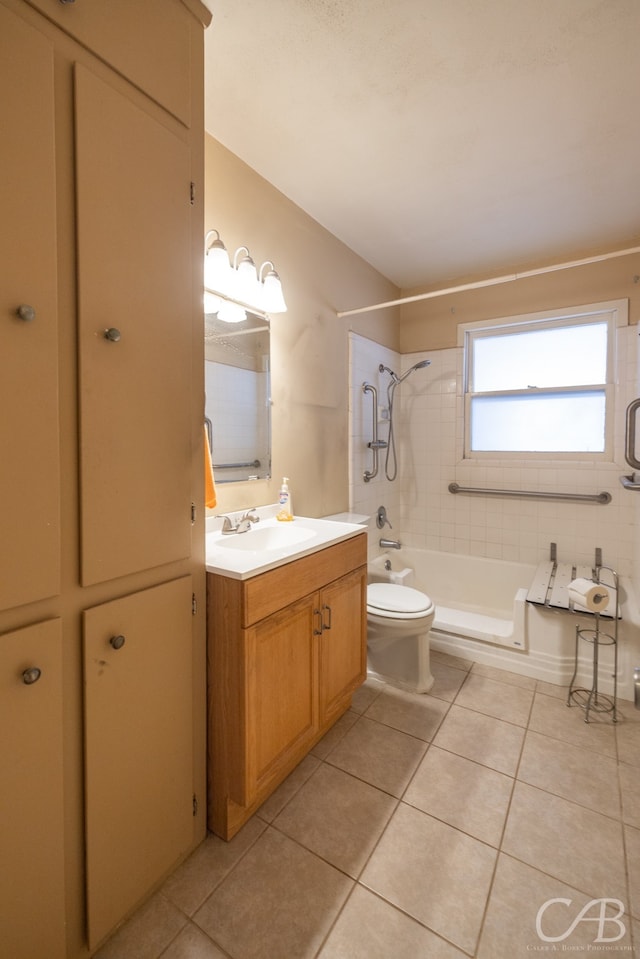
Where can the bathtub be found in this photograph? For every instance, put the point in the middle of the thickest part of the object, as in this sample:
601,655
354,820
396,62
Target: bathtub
482,614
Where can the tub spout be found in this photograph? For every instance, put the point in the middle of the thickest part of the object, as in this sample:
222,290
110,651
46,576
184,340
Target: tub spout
390,543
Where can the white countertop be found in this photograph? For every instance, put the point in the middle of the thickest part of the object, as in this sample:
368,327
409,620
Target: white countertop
232,554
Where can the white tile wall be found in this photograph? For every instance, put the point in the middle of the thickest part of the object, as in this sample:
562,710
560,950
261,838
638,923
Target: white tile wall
429,436
365,358
232,396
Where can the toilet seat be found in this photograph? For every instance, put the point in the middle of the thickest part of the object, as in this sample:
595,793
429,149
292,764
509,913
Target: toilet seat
397,602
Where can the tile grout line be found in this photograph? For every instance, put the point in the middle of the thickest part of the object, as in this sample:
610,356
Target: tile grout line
625,851
398,800
356,880
191,922
499,850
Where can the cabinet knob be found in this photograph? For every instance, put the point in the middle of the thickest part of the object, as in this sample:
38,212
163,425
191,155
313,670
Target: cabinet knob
316,631
31,675
112,334
117,642
26,312
326,625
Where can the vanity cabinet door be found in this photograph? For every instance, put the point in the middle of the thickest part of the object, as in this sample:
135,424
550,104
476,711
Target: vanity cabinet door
138,746
32,896
29,431
343,642
281,703
134,280
286,649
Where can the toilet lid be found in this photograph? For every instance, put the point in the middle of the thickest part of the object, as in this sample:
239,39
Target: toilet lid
397,599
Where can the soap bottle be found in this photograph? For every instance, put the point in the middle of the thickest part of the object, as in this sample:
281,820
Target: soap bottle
284,513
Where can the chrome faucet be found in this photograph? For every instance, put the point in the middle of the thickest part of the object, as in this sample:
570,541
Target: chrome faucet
238,526
246,520
382,518
390,543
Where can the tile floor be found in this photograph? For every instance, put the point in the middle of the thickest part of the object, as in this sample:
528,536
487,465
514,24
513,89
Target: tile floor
425,827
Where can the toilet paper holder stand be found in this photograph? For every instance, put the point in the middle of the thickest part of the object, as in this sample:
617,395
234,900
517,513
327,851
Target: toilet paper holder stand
592,699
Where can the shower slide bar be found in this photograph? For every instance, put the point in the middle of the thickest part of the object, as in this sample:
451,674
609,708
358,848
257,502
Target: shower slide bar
375,443
601,498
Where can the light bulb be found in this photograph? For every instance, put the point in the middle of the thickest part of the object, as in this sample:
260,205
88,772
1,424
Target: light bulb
217,269
246,284
211,302
231,313
272,296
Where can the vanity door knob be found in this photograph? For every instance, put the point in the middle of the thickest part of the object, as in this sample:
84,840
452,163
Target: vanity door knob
31,676
117,642
112,334
26,312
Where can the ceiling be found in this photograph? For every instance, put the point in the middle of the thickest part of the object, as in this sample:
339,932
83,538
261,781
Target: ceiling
439,139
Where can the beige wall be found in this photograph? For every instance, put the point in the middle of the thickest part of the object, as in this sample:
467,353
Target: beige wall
432,324
309,345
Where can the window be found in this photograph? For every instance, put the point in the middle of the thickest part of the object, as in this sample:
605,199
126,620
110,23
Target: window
542,383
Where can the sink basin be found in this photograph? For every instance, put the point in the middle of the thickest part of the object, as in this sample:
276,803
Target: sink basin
267,538
270,544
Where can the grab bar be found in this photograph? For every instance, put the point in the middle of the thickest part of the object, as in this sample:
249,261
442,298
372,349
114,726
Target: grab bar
375,443
235,466
631,482
630,436
601,498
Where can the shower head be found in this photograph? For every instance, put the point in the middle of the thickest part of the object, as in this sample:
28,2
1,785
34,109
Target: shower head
416,366
398,379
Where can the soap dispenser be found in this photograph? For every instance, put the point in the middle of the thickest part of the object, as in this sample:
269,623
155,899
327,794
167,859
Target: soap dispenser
285,513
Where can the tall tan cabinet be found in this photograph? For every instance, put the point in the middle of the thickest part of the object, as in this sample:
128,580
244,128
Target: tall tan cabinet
102,594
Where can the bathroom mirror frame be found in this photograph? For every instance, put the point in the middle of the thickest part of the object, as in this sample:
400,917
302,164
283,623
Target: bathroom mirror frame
238,397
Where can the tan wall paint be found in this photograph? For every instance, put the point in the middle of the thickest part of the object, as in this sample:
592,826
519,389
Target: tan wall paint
433,324
309,345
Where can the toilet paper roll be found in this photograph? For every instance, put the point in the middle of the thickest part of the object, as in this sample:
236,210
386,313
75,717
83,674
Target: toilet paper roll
584,592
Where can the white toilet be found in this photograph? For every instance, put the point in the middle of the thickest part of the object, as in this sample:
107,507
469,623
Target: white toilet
398,622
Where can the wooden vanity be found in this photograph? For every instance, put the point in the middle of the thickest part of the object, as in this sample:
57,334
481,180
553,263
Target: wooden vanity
286,650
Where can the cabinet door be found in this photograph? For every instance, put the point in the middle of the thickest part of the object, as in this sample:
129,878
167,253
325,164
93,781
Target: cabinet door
343,643
138,746
29,477
134,276
281,704
32,900
155,56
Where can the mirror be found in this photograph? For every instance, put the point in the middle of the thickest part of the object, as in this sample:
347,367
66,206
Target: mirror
238,397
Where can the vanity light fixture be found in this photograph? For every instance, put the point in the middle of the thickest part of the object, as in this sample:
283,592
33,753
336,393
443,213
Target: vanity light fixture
237,283
272,295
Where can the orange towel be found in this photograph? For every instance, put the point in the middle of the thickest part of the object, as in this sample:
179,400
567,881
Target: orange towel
209,486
